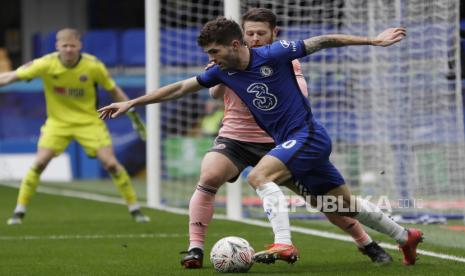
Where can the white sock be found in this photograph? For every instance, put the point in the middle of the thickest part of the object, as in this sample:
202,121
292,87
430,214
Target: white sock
275,206
371,216
195,246
133,207
20,208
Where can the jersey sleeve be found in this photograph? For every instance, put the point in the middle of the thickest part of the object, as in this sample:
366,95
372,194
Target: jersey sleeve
287,50
32,69
209,78
103,77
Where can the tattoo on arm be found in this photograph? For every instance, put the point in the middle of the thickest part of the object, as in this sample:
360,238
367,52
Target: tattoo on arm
314,44
330,41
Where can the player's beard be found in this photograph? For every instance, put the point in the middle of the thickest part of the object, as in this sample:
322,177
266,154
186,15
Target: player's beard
269,41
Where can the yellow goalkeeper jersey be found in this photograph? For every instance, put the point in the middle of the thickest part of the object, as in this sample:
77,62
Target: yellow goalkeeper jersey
70,93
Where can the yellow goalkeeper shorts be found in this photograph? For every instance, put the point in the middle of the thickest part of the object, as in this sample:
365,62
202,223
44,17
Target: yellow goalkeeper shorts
91,137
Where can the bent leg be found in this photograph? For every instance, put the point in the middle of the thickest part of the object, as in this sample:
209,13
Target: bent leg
263,178
349,225
31,180
52,142
29,184
122,181
216,169
369,214
119,176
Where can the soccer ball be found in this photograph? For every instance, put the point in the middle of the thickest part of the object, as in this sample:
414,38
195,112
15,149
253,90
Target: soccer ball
232,254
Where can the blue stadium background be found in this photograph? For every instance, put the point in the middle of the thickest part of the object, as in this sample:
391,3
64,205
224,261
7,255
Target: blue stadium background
22,105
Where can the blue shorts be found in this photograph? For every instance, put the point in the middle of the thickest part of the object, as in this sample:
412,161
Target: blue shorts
306,155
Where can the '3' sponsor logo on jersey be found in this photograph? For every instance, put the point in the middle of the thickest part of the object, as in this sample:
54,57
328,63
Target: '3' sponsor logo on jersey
263,99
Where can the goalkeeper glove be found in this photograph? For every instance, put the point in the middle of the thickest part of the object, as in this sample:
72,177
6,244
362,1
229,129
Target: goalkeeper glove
137,123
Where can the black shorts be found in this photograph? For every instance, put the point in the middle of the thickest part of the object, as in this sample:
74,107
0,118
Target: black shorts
242,154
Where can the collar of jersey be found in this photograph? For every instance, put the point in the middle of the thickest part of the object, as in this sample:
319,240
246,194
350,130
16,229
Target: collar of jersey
71,67
250,60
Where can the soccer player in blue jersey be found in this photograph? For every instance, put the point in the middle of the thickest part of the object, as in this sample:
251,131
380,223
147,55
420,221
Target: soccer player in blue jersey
242,143
264,80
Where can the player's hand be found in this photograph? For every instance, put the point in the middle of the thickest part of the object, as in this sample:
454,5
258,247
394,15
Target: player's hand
390,36
209,65
138,124
113,110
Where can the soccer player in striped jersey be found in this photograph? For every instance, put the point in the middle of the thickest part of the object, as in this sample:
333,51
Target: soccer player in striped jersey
264,80
70,78
242,143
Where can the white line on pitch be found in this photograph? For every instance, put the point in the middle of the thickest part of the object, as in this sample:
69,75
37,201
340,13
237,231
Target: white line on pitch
346,238
94,237
302,230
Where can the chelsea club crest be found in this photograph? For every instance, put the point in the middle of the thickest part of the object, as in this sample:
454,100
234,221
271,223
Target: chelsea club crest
266,71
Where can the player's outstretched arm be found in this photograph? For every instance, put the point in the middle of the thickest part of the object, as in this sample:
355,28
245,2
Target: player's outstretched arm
163,94
8,77
386,38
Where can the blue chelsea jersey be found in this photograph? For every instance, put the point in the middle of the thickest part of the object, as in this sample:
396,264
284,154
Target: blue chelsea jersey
269,88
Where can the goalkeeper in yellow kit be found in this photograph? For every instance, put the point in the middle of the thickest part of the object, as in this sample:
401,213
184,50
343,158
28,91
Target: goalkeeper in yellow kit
70,79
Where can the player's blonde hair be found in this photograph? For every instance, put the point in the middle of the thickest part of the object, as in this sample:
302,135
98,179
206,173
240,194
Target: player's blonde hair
68,33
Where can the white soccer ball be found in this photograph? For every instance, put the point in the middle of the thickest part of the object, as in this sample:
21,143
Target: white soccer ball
232,254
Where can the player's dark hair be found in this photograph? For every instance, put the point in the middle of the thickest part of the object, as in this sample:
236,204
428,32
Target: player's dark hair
260,15
220,31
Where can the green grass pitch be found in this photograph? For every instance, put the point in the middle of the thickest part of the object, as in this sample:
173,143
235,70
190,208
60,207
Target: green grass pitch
70,236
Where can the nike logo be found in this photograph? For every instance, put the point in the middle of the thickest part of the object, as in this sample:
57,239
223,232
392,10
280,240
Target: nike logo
231,73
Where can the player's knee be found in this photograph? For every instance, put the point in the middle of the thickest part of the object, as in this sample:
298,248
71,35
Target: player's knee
255,179
111,166
40,165
212,179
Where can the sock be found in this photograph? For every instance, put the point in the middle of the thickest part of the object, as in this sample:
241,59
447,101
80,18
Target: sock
133,207
28,188
371,216
20,208
123,183
352,227
275,206
201,208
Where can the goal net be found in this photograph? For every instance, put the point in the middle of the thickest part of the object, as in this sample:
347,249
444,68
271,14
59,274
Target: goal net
183,139
395,114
